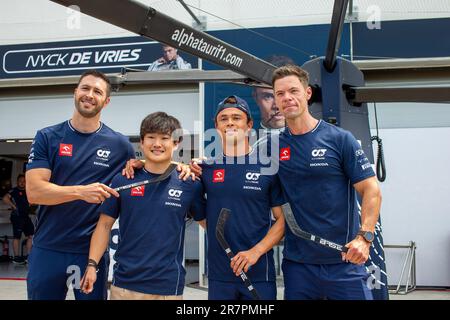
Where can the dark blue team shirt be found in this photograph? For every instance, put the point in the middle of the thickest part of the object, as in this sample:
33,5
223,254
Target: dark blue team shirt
74,158
317,172
19,197
250,196
152,224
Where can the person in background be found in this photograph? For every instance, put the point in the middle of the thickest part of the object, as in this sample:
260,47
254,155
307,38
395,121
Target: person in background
21,222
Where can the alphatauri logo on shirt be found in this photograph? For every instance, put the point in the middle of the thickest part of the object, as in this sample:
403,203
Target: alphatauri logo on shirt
318,152
174,198
138,191
252,181
175,193
252,176
103,154
285,154
359,152
318,157
65,150
219,175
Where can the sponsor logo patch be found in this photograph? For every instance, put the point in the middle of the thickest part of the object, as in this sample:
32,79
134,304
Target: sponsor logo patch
318,153
103,154
65,150
252,176
285,154
219,175
175,193
138,191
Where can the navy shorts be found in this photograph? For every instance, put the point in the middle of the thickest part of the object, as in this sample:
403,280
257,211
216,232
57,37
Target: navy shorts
224,290
341,281
21,224
50,274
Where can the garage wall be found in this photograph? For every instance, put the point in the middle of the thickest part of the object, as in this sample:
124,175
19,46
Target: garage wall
415,206
22,117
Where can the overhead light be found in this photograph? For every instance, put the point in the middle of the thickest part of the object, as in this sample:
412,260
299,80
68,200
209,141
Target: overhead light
26,140
10,141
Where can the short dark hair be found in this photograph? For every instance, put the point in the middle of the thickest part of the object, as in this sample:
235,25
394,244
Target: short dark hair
20,176
161,122
97,74
291,70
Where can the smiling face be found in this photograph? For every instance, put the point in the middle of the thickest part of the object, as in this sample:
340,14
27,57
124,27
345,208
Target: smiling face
271,116
292,96
158,147
233,125
91,96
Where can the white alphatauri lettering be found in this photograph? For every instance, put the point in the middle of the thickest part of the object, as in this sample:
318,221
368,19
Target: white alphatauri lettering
318,152
103,153
252,176
175,193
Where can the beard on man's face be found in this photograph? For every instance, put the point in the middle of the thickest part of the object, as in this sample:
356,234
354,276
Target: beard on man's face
88,113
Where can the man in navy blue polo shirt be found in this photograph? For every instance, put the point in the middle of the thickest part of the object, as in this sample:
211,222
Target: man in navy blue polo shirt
152,221
235,180
21,222
69,167
320,168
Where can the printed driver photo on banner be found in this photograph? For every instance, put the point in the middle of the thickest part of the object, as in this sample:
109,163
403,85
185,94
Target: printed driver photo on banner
272,120
170,60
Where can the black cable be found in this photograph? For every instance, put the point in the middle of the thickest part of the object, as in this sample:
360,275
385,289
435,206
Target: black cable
254,32
380,166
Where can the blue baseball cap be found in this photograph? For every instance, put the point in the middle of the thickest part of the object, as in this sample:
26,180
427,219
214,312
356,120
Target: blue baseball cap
235,102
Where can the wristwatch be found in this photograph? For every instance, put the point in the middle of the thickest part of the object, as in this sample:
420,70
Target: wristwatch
367,235
93,263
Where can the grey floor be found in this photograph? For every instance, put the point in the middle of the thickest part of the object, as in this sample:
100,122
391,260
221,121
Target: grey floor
13,287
